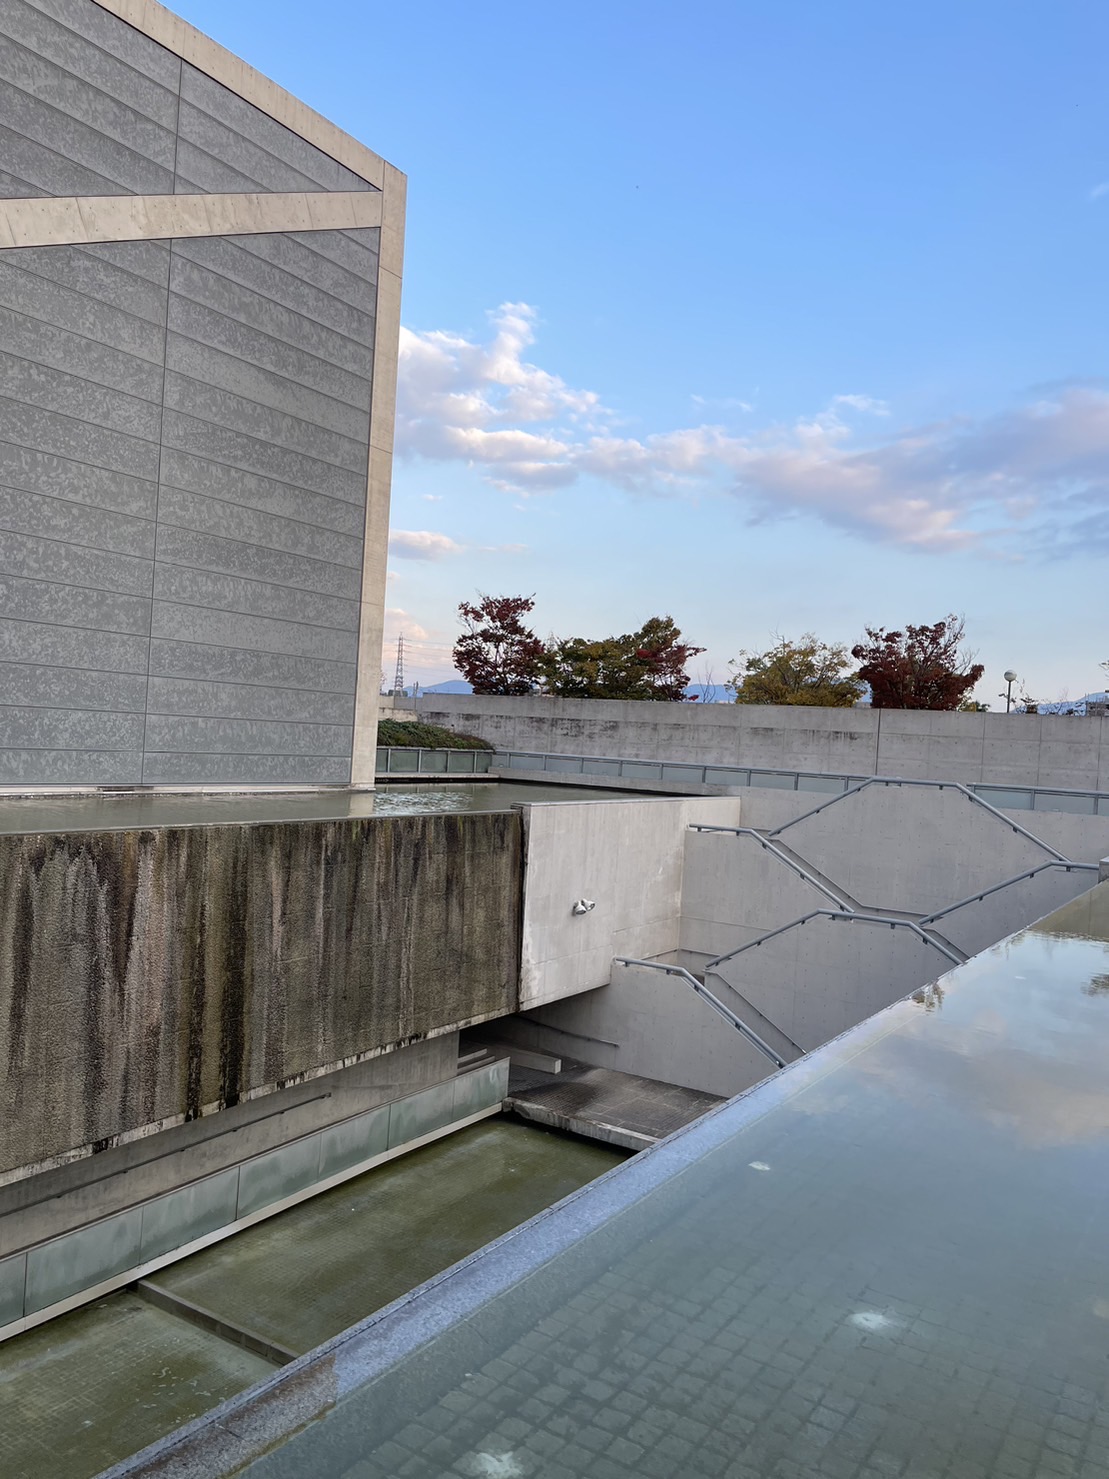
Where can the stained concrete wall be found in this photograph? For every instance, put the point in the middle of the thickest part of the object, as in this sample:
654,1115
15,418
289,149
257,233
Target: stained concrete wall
627,857
184,434
149,977
1015,749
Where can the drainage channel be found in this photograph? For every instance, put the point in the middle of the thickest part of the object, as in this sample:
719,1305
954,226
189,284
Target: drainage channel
96,1385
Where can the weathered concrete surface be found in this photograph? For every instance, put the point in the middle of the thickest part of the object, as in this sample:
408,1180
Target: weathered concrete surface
1005,749
149,977
603,1104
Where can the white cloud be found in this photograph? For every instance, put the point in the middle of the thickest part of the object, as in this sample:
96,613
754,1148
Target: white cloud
422,544
1099,190
862,403
1035,477
432,497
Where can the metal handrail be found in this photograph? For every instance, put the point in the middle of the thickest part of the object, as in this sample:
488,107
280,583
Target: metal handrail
881,780
855,914
714,1001
984,893
764,842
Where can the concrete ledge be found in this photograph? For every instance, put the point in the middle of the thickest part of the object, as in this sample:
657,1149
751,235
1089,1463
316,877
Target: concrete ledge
1103,870
59,1275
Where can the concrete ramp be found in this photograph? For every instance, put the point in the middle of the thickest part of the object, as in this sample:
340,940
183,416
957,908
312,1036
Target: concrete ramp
603,1104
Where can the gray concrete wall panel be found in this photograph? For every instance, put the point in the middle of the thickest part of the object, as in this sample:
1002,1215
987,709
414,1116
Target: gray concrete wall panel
45,344
108,35
203,325
75,130
122,66
66,564
250,135
182,696
75,311
72,688
218,627
69,729
202,284
50,645
244,770
130,502
233,593
214,367
48,173
80,441
217,405
184,432
67,605
230,522
254,454
275,266
176,659
165,734
132,279
238,557
83,767
195,473
73,395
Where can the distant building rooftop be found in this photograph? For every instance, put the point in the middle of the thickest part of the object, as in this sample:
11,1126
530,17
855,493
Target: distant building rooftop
890,1259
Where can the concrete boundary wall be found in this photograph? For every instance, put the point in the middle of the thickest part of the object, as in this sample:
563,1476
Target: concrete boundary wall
63,1273
1002,749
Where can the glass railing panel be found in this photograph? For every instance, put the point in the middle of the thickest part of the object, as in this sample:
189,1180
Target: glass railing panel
775,780
825,784
1008,798
1078,802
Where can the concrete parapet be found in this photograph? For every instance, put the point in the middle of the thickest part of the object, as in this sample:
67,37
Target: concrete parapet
1003,749
151,977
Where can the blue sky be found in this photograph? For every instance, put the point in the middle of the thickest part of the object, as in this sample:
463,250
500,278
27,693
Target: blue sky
772,316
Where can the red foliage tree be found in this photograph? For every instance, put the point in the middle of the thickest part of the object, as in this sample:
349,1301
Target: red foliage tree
496,652
919,668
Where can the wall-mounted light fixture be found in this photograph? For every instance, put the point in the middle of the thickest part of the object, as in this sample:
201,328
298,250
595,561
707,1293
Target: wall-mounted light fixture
583,906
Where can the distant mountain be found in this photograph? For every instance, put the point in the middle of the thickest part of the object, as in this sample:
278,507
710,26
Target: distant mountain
1073,706
453,685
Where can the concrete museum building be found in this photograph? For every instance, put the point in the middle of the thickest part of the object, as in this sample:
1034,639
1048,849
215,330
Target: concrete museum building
199,311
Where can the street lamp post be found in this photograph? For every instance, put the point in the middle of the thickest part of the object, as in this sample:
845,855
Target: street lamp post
1010,678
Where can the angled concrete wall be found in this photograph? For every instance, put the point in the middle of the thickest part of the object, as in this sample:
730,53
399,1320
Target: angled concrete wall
188,550
1014,749
627,858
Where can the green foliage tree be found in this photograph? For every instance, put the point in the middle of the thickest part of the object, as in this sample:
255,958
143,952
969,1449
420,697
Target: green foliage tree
647,664
918,668
806,671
